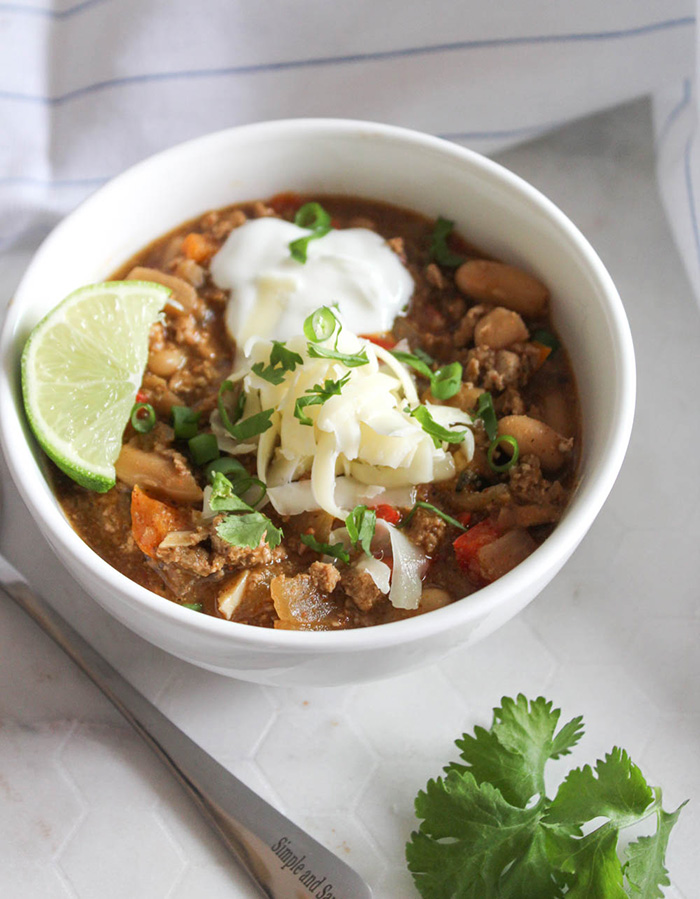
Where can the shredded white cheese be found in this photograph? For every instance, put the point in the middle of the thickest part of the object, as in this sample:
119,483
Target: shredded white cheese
361,442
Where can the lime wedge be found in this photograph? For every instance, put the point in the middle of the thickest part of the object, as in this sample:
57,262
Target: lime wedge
81,368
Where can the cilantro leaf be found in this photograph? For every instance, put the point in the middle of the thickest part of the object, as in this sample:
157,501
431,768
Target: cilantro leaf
644,869
595,867
486,412
488,829
618,792
361,524
439,250
352,360
282,361
319,393
223,497
248,530
431,427
469,836
337,550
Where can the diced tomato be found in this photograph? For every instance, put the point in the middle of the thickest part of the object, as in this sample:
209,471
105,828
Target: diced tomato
468,545
388,513
286,203
141,397
336,223
464,518
385,341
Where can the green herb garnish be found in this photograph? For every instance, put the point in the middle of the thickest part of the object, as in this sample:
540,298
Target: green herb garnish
495,445
351,361
337,550
203,448
224,496
253,425
229,421
314,217
486,412
282,361
185,422
195,606
361,524
431,508
488,829
225,465
320,325
318,394
143,417
249,529
431,427
439,251
444,383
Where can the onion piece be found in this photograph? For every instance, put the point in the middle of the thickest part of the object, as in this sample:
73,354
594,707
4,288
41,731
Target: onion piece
407,571
378,571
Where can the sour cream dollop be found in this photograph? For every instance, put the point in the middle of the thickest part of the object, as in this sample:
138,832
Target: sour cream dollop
272,293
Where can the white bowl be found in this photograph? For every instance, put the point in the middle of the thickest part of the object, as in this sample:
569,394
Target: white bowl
492,208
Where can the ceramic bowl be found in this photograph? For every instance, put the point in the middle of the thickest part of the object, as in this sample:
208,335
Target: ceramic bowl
492,208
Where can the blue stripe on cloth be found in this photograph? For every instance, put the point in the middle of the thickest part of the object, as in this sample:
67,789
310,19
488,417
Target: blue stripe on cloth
21,9
675,112
381,55
690,190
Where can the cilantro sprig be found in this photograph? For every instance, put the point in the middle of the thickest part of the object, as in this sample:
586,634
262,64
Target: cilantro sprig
282,361
444,383
361,524
488,829
337,550
431,427
318,394
246,527
439,251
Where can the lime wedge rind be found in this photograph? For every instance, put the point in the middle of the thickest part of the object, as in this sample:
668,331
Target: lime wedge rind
81,368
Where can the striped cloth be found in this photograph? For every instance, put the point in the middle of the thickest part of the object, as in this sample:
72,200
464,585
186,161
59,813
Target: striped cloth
88,88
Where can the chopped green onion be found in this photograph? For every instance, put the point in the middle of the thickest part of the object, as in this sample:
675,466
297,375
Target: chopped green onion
195,606
431,508
486,412
224,496
546,338
423,356
314,217
226,421
225,465
243,484
446,381
320,325
352,361
337,550
143,417
203,448
439,251
185,421
495,445
431,427
361,524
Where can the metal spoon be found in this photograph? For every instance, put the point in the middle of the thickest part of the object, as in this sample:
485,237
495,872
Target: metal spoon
282,860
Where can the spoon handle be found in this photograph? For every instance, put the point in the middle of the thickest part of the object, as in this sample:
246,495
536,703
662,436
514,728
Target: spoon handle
282,860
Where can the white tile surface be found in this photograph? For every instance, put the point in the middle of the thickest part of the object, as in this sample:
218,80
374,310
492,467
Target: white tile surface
86,811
